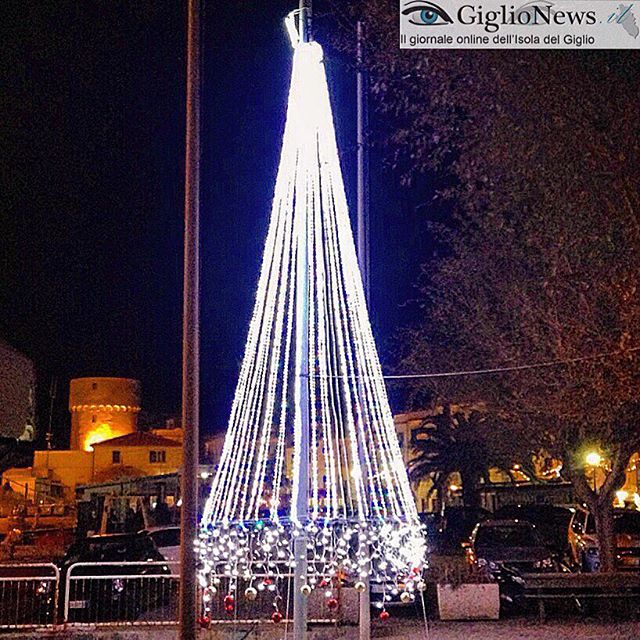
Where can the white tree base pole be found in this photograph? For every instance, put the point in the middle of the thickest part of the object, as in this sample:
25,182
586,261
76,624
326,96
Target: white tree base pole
300,601
364,620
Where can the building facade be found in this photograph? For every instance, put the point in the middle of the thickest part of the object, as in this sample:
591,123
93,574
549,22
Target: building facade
17,391
105,445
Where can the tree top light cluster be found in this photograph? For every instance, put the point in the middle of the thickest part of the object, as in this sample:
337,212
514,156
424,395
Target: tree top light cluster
311,383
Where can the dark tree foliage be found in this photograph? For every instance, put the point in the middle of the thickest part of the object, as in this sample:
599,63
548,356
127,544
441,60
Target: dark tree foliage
541,152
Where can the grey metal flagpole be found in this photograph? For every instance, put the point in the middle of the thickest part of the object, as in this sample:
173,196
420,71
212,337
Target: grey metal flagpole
300,604
191,332
363,159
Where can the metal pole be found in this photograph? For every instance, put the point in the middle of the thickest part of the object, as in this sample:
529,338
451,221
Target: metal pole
304,24
363,177
191,331
364,619
300,604
53,389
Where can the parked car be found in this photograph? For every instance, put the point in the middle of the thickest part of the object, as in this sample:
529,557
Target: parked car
550,521
167,539
584,544
103,592
454,528
515,544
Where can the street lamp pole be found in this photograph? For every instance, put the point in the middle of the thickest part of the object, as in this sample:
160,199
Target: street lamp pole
191,332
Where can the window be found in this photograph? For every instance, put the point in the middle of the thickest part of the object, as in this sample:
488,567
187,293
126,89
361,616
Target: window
94,386
93,418
116,458
157,456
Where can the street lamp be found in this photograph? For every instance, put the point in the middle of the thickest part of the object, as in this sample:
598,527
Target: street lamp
593,459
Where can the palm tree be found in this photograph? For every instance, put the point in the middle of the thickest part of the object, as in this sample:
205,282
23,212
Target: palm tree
465,442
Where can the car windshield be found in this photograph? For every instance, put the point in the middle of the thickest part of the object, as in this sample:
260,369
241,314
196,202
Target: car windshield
166,537
538,514
506,536
110,549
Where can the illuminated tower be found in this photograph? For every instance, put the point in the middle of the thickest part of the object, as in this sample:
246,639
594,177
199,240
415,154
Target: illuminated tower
101,409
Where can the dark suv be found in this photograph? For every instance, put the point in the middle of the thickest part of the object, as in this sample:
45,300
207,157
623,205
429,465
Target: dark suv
106,588
550,521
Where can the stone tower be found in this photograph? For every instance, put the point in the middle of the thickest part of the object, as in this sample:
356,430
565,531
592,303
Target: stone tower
101,409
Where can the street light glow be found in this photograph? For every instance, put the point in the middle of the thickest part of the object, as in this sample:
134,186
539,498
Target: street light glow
593,459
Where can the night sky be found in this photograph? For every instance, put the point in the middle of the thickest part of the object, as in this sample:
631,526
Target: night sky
92,190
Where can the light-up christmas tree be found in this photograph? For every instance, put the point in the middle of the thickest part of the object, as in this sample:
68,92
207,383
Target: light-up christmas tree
311,478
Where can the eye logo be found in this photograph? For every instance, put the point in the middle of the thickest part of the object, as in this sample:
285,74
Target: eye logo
426,14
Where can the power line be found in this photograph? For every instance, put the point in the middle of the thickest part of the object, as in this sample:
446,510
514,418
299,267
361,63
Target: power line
520,367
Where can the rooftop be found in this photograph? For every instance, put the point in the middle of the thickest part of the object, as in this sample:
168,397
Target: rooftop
138,439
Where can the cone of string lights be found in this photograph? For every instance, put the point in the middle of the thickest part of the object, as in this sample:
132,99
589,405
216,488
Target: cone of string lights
311,478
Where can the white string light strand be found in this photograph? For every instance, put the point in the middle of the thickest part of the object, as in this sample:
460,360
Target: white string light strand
349,494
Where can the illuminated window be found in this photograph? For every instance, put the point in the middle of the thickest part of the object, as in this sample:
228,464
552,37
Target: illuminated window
157,456
116,458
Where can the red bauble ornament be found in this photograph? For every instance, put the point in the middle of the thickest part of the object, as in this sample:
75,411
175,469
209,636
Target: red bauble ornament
276,616
204,621
384,615
332,603
229,603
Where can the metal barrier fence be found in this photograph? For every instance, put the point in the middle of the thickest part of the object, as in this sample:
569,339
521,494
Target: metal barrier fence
120,593
136,594
28,595
146,593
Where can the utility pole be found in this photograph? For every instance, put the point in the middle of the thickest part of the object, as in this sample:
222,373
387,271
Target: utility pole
191,332
364,618
363,169
53,391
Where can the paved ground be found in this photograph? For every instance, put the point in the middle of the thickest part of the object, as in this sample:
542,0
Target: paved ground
392,630
517,630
